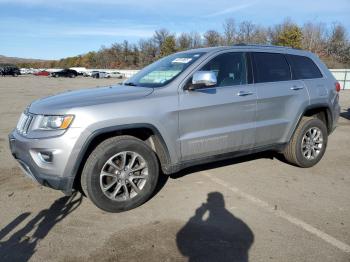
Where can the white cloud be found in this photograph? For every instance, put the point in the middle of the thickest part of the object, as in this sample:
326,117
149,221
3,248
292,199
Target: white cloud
231,9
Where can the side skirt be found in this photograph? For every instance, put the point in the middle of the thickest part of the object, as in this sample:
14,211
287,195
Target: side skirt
170,169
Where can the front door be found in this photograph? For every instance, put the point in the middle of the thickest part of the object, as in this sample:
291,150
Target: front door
219,119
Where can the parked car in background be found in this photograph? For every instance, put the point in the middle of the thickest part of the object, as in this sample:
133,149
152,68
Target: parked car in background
87,73
42,73
113,75
9,69
95,74
65,73
80,70
25,71
100,74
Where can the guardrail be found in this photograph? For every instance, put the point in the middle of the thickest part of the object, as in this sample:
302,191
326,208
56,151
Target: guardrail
342,76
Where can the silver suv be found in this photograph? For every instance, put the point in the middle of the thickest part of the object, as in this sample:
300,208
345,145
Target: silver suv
188,108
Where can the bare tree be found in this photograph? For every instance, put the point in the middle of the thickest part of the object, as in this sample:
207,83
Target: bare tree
314,37
184,41
260,35
229,31
245,32
212,38
338,45
148,52
251,33
196,40
160,36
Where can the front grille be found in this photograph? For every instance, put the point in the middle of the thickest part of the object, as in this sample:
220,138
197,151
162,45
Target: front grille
24,123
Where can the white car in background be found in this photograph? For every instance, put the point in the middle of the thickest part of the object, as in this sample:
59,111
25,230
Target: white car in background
91,73
113,75
104,74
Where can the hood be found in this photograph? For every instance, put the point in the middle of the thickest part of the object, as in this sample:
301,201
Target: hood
60,103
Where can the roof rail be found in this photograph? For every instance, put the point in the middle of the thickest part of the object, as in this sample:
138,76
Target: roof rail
257,45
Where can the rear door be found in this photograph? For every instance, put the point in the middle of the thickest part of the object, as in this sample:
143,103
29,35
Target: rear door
219,119
280,99
303,68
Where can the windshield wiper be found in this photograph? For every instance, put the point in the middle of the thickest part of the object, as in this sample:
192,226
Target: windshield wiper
129,84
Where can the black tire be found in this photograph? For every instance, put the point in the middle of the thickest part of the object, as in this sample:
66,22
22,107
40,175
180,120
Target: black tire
293,151
90,178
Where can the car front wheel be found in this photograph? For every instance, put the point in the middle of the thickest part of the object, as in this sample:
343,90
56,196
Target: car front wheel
120,174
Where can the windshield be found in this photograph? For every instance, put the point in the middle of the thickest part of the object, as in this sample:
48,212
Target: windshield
163,71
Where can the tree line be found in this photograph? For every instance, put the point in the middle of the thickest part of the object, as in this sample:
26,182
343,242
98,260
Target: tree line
329,42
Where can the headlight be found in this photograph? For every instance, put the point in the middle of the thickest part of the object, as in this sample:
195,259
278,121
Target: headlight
56,122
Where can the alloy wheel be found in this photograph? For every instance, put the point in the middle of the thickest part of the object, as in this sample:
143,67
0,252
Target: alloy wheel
312,143
123,176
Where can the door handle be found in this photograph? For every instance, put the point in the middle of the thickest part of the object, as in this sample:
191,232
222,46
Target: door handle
244,93
296,87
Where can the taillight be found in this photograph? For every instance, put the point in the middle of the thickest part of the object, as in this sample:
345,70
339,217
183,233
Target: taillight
337,86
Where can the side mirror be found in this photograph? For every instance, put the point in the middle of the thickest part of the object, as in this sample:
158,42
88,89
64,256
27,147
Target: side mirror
202,79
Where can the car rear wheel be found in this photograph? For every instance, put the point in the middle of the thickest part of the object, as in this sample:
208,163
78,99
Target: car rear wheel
308,143
120,174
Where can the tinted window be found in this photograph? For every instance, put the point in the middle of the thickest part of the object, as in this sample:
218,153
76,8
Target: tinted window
229,68
270,67
303,67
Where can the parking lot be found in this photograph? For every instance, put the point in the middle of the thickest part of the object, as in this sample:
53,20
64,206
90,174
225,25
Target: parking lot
254,208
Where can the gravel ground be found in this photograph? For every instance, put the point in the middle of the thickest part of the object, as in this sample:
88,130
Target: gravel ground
255,208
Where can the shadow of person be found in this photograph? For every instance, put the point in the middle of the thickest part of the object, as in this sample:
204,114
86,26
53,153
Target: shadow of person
22,244
346,114
219,237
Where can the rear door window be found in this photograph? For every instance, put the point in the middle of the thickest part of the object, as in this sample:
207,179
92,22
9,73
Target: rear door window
303,67
270,67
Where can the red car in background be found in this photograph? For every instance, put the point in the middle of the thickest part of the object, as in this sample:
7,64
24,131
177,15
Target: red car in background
42,73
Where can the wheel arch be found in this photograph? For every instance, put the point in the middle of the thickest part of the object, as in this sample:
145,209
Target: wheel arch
146,132
323,113
320,111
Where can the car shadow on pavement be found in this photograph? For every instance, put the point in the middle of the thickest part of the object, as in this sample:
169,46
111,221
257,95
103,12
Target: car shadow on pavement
231,161
214,234
22,244
346,114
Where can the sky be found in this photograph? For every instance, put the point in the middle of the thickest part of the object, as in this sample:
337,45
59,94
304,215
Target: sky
52,29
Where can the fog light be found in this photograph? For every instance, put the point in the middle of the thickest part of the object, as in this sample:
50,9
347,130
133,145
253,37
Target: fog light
46,156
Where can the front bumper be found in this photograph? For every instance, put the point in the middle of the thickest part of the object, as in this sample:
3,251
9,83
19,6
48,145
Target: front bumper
54,173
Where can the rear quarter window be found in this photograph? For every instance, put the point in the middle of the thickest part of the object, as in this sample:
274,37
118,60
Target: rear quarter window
270,67
303,67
